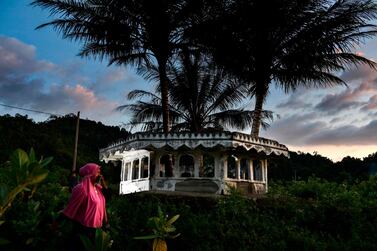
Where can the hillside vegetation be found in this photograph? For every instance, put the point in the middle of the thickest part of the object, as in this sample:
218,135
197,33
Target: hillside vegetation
313,203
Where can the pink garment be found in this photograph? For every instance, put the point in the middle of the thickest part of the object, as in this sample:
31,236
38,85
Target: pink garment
87,204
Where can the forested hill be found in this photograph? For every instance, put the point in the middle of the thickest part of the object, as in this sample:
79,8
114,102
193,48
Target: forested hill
301,166
55,137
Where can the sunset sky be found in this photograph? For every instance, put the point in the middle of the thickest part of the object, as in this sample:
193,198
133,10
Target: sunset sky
39,70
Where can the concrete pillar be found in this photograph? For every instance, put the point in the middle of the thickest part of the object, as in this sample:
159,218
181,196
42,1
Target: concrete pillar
251,170
266,172
196,163
224,163
238,171
157,164
217,170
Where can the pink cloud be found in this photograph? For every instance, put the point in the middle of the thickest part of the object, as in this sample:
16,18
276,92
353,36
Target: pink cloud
86,99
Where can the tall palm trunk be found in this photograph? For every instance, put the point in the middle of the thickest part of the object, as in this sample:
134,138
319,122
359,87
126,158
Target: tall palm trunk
257,115
164,96
260,95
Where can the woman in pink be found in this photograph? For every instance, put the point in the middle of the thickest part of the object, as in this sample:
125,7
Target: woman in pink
87,205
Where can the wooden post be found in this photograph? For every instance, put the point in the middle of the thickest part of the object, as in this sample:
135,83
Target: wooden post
76,141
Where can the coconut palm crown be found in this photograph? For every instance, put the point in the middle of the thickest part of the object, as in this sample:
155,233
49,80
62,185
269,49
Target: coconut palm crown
202,98
289,43
136,32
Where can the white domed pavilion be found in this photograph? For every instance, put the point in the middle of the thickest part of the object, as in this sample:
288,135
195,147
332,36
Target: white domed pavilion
206,163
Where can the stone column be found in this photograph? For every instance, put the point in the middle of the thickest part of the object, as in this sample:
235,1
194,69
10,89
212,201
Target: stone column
251,169
224,163
196,156
238,167
157,164
265,174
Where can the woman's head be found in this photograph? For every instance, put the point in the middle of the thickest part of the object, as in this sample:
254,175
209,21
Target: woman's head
90,169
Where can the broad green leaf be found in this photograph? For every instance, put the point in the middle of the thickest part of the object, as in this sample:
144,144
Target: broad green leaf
18,159
173,219
37,178
32,155
169,229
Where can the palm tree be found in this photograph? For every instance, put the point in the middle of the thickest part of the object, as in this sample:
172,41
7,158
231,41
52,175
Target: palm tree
202,98
137,32
286,42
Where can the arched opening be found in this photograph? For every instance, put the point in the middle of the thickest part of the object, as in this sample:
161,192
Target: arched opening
207,167
166,165
135,169
125,170
244,169
145,167
186,166
257,170
232,169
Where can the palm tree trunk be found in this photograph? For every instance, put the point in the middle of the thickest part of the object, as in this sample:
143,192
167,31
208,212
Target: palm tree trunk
257,115
164,84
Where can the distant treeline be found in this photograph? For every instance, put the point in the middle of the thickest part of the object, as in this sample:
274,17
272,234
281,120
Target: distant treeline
301,166
55,137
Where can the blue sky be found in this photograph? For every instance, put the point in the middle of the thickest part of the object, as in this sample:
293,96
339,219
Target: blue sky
39,70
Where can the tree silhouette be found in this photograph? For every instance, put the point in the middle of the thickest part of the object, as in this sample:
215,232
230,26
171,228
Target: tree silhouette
203,97
286,43
137,32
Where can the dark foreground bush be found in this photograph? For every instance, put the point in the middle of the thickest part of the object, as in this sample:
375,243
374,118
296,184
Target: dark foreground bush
333,217
310,215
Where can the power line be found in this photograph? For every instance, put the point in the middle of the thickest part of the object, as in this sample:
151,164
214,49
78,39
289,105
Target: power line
30,110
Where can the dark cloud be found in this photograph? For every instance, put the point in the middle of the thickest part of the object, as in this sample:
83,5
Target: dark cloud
348,99
296,100
361,73
293,104
334,103
308,130
347,135
295,129
21,83
17,58
363,84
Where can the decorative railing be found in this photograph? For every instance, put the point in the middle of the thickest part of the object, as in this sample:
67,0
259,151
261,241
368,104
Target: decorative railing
193,140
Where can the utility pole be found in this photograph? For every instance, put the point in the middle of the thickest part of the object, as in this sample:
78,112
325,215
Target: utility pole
76,141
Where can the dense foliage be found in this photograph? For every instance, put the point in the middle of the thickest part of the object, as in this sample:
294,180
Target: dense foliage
55,137
299,215
335,211
301,166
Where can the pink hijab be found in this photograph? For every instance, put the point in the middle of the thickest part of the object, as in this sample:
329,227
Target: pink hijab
87,204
